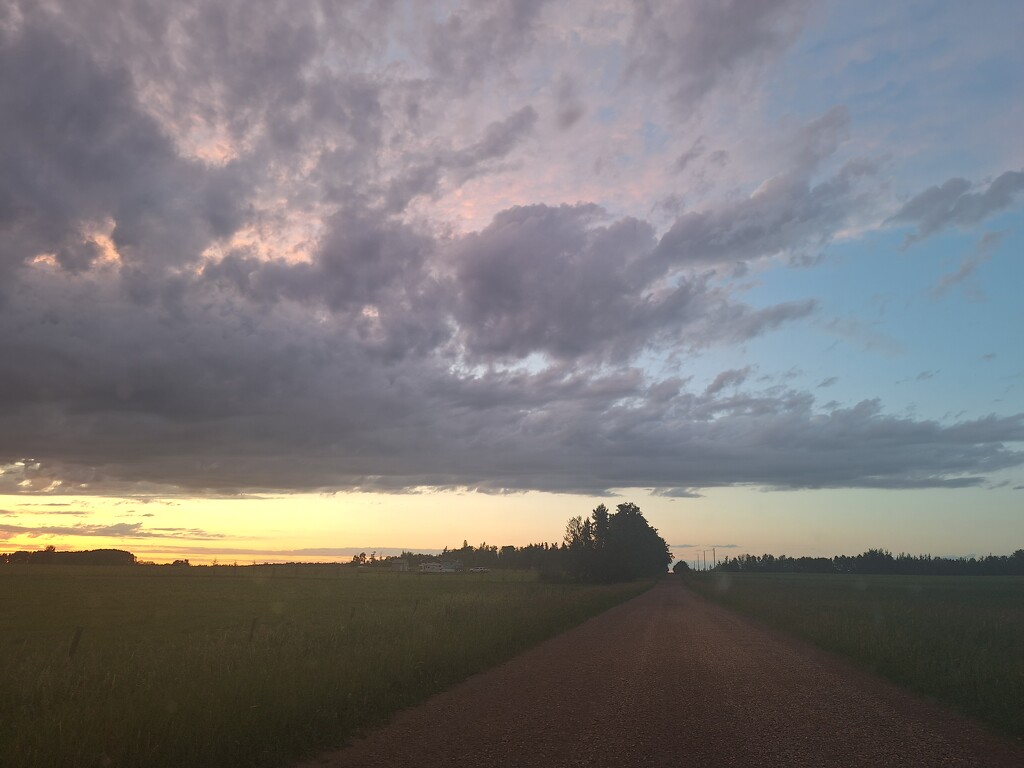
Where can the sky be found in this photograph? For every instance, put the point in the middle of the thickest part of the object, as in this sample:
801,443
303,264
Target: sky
293,280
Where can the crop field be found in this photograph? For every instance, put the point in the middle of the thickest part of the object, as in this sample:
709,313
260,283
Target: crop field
250,665
959,640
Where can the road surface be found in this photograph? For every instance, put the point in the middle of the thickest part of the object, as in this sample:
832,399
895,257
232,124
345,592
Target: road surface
670,679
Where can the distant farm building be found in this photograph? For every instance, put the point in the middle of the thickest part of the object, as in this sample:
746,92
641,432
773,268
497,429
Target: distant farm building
441,566
399,565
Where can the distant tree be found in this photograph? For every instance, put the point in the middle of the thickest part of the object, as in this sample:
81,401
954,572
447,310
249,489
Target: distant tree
681,567
600,526
635,548
579,545
620,546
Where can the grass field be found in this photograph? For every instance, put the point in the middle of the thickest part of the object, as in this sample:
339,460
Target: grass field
959,640
246,666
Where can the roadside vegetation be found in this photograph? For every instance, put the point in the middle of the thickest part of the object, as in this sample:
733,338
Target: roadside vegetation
959,640
247,665
877,562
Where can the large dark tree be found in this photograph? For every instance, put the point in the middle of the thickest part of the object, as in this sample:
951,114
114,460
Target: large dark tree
618,546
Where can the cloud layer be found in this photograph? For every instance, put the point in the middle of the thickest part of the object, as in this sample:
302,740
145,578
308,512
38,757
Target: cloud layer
229,259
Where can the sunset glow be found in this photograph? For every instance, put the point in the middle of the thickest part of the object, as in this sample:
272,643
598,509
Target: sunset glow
286,284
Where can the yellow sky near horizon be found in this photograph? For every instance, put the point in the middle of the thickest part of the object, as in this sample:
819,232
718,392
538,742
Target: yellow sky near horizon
332,527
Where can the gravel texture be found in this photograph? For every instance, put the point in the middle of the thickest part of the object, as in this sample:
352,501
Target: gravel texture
670,679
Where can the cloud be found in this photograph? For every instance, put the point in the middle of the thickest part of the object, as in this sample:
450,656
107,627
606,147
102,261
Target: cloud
87,154
954,204
562,282
732,378
423,176
302,555
696,46
695,151
23,511
830,381
115,530
569,107
989,242
788,214
677,493
865,335
244,396
232,259
468,43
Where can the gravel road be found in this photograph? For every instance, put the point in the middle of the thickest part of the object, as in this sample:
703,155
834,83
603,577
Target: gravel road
670,679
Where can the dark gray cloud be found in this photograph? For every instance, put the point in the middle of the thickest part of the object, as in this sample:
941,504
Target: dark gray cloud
216,62
563,282
988,243
695,151
378,348
677,493
467,43
423,175
696,46
732,378
237,395
954,204
787,215
818,139
569,108
76,151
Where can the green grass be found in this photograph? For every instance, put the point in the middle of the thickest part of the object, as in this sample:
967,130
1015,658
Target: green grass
959,640
171,669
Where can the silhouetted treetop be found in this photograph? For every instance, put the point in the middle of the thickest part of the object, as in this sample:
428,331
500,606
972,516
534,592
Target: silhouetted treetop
617,546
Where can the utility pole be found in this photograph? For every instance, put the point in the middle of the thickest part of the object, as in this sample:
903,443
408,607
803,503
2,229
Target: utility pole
714,558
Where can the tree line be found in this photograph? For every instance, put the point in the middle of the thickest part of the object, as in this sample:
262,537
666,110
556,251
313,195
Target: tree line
604,546
879,561
50,556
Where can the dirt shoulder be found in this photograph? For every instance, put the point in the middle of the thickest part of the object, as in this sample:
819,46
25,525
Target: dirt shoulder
670,679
